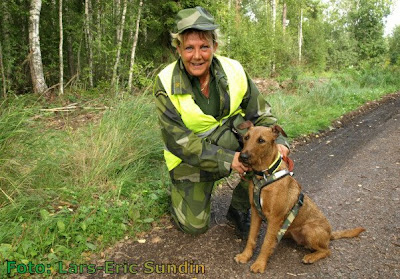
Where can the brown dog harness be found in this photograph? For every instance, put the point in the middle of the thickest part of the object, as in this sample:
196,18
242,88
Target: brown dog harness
270,175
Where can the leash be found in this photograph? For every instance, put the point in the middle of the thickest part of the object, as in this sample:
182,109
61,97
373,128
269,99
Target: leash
271,175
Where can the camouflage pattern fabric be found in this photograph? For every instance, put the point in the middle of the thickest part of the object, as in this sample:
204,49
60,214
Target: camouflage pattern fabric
289,219
191,199
203,161
195,18
260,184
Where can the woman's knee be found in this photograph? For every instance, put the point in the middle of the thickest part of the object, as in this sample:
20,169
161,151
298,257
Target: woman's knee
193,226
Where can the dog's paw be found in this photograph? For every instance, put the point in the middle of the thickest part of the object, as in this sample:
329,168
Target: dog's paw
309,259
258,267
317,255
242,258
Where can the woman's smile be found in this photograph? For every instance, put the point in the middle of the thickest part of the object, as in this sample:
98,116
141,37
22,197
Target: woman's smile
197,54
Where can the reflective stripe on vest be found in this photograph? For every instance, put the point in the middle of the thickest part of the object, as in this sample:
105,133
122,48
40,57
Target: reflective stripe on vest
192,115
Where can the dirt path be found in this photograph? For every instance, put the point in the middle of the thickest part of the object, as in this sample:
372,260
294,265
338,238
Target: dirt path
352,173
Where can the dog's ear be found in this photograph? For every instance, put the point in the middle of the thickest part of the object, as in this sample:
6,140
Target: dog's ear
245,125
278,130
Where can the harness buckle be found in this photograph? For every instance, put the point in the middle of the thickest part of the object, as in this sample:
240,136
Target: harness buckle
301,199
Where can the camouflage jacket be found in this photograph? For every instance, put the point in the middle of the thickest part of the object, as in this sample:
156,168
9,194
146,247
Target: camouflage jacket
198,152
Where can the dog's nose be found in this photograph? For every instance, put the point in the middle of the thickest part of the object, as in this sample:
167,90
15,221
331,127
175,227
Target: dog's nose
244,157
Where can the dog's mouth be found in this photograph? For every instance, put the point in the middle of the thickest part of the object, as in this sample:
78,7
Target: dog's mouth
244,158
246,164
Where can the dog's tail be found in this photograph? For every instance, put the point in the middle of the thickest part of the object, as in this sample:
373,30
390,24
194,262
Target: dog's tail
347,233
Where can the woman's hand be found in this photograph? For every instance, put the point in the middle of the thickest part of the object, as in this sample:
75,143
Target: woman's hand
237,165
283,150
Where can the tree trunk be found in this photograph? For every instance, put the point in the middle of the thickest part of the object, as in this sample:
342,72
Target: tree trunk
3,76
135,40
61,49
117,16
89,41
6,43
36,66
284,11
70,57
237,9
273,6
119,45
300,34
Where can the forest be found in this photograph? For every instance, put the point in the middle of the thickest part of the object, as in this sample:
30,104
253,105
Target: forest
119,45
81,164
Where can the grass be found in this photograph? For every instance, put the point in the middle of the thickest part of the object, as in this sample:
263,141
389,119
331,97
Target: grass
68,193
311,109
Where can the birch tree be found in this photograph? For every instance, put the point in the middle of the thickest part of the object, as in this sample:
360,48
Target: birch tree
61,48
133,52
119,44
36,66
300,38
284,20
273,7
237,9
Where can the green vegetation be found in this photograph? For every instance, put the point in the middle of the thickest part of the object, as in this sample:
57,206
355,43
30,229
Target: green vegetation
315,103
67,193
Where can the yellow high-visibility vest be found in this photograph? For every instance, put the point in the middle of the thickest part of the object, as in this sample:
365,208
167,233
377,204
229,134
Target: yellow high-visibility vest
192,115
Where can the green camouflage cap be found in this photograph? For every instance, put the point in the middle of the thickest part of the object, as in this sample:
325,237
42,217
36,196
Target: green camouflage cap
195,18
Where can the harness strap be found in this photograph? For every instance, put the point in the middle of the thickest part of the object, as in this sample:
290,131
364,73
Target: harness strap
260,184
289,219
267,180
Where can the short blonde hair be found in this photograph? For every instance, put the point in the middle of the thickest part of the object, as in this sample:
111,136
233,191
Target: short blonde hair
178,38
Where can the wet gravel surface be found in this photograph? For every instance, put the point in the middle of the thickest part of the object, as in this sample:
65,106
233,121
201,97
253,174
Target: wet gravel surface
352,172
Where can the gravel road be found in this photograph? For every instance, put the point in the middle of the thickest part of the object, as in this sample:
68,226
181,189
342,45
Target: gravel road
352,172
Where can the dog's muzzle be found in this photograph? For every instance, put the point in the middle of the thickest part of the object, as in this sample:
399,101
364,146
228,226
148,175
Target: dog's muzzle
244,158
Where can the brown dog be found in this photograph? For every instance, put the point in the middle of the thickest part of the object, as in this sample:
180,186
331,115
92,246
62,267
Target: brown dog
310,228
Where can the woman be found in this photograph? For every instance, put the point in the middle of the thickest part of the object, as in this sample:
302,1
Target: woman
201,99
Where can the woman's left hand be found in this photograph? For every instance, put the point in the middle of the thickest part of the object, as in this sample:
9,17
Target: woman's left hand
283,150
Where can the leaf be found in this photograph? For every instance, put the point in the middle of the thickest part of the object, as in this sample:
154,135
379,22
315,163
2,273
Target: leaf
134,214
156,239
61,226
83,226
148,220
91,246
44,214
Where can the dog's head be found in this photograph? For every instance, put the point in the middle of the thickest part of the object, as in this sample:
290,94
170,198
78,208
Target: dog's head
259,146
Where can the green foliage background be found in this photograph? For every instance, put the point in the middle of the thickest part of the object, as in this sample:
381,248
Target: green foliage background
336,35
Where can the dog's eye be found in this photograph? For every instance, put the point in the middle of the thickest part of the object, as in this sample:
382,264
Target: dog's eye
261,140
246,138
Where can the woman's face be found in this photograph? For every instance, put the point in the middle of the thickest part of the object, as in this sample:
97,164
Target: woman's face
197,54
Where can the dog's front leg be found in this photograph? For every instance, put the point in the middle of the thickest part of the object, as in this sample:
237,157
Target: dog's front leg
268,246
255,224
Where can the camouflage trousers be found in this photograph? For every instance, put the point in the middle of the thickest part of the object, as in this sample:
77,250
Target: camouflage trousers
191,198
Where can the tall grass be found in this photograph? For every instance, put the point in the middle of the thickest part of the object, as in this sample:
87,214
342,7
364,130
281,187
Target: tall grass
66,193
